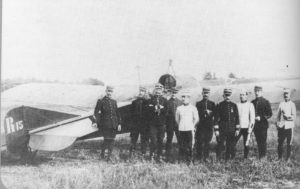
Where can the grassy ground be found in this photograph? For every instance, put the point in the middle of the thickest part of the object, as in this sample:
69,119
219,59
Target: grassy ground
80,167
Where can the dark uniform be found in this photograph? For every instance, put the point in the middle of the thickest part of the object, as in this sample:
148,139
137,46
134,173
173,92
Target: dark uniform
140,124
157,115
172,126
204,130
108,119
228,122
262,109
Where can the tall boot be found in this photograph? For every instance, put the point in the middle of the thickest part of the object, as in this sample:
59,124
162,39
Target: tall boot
110,150
288,152
151,155
132,150
103,147
168,152
279,150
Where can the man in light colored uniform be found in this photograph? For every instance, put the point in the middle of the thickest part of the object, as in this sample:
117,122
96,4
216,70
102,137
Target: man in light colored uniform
285,123
247,119
186,118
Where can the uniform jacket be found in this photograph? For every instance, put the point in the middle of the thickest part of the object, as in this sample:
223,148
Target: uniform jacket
139,109
206,110
286,109
246,114
227,116
187,117
107,114
172,105
157,109
263,109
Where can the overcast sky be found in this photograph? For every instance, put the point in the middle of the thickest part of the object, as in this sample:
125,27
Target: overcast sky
70,40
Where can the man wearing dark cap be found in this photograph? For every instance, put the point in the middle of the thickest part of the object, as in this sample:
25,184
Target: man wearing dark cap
263,112
172,126
108,121
204,130
157,121
227,127
140,122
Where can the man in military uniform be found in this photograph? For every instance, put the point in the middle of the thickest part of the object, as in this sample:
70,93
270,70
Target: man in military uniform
228,125
186,118
247,117
140,122
157,116
108,121
263,112
172,126
286,118
204,130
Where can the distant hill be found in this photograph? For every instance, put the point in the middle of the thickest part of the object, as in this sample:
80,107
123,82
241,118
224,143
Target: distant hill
222,81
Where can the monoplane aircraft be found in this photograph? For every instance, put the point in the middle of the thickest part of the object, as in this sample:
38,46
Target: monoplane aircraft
51,117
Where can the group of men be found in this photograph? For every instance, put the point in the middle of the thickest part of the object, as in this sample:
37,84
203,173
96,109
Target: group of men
154,116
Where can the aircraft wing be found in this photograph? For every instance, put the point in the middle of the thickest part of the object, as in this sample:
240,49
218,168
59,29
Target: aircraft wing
54,115
61,135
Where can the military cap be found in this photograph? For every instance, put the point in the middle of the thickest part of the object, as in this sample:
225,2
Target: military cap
142,88
227,91
286,90
174,90
158,86
206,90
258,88
109,88
186,93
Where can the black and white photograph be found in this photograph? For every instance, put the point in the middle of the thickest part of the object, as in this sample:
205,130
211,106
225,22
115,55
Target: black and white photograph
167,94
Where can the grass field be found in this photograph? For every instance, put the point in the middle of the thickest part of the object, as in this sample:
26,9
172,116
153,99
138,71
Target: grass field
79,167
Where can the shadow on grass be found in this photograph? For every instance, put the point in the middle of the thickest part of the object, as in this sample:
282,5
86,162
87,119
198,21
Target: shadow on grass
9,160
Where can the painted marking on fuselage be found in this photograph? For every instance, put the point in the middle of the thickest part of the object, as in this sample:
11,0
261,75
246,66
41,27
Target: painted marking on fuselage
12,126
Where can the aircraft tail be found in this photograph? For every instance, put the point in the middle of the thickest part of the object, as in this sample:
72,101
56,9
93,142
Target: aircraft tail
19,121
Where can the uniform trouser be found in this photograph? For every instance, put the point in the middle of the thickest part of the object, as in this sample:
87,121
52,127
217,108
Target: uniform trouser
227,137
157,134
203,138
144,133
282,135
171,129
261,139
109,138
186,145
244,133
